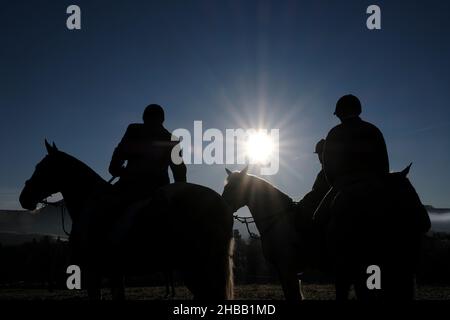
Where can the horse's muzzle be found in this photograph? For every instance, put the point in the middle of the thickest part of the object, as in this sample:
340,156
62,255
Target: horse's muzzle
25,200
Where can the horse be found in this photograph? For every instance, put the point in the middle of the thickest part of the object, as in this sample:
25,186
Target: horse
386,233
374,223
270,209
183,226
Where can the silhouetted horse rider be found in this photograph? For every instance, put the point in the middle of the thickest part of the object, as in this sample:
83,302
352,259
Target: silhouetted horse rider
353,150
354,147
304,211
321,184
146,148
141,160
308,204
368,205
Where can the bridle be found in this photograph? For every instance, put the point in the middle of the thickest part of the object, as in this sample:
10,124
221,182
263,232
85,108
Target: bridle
63,212
273,219
247,221
63,208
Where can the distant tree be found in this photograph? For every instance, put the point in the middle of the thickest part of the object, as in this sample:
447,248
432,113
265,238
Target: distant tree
258,270
239,258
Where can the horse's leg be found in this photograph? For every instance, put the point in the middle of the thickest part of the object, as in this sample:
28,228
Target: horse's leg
208,283
289,283
117,287
342,286
166,280
278,249
192,284
94,285
172,284
343,280
221,280
170,287
397,283
212,279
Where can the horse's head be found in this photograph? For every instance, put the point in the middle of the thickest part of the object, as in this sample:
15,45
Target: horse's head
45,181
236,189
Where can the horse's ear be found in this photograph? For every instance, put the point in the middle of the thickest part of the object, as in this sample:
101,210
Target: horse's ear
48,147
228,171
245,170
406,170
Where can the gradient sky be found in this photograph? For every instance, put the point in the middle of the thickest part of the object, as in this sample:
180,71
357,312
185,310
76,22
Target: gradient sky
231,64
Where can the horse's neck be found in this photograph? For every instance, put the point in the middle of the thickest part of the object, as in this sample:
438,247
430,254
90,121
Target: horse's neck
76,197
264,201
80,186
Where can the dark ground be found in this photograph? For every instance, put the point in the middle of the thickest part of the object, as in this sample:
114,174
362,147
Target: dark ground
242,292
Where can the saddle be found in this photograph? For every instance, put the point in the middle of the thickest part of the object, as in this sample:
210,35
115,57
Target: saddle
392,192
372,216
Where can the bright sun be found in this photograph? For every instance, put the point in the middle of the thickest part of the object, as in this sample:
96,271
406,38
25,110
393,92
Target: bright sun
259,147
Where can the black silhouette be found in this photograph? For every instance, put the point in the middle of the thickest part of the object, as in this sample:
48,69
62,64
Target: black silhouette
271,210
355,147
170,285
146,148
373,223
353,150
377,221
356,215
304,212
368,214
199,245
306,207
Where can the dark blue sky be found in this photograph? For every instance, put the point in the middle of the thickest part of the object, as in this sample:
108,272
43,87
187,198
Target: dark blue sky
227,63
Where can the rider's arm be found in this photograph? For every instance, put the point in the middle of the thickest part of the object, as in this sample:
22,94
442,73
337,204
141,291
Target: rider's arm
178,170
117,163
119,156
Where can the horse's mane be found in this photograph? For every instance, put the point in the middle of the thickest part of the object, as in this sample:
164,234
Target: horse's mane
80,167
262,184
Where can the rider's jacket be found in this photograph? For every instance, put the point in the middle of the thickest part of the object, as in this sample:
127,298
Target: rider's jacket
146,150
354,148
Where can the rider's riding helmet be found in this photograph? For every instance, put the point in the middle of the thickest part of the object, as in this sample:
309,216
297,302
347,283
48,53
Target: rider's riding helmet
153,114
348,106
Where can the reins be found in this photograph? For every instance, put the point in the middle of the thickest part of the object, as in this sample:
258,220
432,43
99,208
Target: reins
273,219
247,221
63,208
63,211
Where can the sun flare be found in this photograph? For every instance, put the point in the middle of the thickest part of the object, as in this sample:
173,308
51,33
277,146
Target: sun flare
259,147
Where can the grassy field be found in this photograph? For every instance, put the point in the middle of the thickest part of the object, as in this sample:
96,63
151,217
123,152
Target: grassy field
242,292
